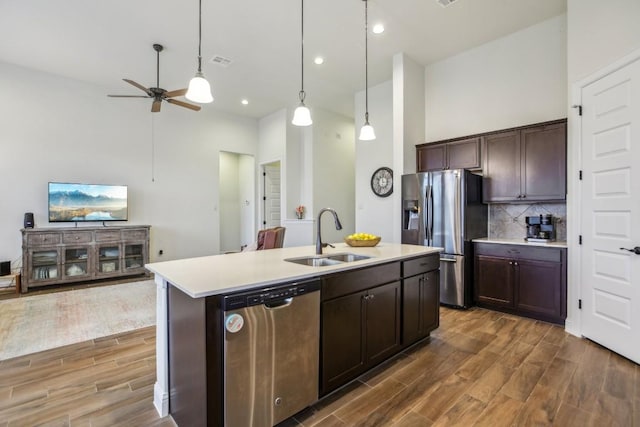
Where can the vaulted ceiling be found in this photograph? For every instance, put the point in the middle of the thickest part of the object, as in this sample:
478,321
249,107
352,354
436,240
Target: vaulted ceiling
102,42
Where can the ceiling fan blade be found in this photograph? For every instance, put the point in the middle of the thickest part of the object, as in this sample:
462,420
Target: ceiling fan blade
155,107
128,96
184,104
179,92
139,86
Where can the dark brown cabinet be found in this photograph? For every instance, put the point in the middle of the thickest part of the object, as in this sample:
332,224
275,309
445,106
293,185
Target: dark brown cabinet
420,299
526,164
458,154
529,281
359,331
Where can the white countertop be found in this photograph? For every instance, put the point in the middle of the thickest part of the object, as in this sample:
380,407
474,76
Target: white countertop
556,244
217,274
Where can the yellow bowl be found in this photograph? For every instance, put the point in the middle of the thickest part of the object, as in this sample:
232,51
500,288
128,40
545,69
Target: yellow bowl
362,243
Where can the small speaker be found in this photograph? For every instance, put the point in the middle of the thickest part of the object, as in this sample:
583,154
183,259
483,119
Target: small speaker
5,268
28,220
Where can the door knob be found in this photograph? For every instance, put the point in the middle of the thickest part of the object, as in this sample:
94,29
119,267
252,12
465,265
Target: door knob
635,250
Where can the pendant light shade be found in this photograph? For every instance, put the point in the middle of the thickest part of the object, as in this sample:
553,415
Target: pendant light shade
199,89
366,132
302,115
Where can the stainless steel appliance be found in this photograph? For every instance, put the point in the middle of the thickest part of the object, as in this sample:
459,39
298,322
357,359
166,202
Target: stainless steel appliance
445,209
540,228
271,351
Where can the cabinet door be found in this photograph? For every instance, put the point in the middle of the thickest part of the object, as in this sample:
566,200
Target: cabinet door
342,340
430,302
432,158
539,285
44,265
134,257
464,154
501,167
420,306
493,283
382,322
76,263
544,162
411,309
109,256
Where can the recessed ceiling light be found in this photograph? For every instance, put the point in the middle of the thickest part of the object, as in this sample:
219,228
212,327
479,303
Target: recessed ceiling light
318,60
378,28
245,102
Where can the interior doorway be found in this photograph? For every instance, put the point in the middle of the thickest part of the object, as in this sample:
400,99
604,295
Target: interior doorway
237,201
609,208
272,215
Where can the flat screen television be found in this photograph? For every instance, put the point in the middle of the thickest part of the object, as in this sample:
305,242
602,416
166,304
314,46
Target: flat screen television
70,202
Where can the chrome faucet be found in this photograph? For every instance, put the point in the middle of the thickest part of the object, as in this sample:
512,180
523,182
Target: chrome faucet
319,244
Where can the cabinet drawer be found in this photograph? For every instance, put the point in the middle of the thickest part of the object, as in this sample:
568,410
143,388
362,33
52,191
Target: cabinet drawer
41,239
107,235
420,265
134,234
534,253
77,237
358,280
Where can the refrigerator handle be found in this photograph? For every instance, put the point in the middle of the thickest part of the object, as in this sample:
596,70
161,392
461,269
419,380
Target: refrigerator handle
428,218
431,214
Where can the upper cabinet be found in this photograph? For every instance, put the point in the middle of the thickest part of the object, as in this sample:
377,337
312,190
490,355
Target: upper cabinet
526,164
456,154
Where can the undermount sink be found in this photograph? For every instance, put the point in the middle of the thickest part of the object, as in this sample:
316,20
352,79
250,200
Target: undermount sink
322,260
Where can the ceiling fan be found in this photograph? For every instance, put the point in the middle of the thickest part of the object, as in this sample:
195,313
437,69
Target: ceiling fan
157,93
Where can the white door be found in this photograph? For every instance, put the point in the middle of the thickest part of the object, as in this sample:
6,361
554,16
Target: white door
610,212
271,174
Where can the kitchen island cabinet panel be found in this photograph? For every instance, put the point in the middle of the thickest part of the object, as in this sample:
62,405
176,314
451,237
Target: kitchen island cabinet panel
359,330
382,322
343,339
420,306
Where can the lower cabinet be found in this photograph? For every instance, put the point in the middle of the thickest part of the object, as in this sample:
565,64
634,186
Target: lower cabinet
529,281
420,306
359,330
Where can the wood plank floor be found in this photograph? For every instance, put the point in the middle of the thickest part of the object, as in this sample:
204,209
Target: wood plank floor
479,368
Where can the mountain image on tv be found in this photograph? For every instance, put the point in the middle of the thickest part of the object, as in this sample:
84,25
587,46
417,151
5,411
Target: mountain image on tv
87,202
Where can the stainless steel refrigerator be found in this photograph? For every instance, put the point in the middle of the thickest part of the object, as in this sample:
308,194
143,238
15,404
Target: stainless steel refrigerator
445,209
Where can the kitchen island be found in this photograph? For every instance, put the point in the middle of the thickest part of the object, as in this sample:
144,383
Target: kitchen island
204,281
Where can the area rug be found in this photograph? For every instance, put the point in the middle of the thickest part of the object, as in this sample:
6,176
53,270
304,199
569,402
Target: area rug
41,322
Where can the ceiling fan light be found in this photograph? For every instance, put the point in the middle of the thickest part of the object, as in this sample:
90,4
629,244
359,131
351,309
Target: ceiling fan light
301,116
367,133
199,90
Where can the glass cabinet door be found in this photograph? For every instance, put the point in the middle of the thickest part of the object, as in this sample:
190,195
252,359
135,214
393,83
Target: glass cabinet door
109,259
133,256
76,262
44,264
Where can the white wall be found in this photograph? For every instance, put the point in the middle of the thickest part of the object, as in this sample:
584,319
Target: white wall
57,129
333,148
375,214
516,80
598,34
229,202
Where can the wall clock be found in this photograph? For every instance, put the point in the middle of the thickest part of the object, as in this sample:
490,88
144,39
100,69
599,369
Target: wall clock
382,182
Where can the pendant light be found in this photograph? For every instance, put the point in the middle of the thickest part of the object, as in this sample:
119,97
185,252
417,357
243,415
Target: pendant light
302,115
366,132
199,90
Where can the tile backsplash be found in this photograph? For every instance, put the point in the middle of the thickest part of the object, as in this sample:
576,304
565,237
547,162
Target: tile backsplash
507,221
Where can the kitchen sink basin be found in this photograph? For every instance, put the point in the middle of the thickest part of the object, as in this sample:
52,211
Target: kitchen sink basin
322,260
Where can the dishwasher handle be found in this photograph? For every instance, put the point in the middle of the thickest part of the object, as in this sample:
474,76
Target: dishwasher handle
274,305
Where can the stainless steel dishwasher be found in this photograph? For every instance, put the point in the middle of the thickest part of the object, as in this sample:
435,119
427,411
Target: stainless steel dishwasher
271,351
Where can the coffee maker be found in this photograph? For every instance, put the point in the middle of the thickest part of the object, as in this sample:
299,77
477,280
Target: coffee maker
540,228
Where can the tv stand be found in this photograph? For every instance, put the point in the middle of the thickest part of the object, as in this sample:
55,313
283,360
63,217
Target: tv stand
55,256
